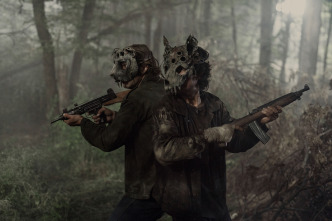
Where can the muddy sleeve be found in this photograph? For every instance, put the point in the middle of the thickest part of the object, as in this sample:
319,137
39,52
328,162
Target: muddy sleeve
169,147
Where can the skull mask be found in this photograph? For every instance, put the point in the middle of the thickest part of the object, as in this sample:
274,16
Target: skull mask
179,58
125,65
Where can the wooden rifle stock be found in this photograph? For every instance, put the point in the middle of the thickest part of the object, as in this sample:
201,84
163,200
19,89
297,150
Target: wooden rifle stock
119,98
281,101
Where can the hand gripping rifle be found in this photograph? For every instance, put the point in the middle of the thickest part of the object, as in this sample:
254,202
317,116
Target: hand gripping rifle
94,105
281,101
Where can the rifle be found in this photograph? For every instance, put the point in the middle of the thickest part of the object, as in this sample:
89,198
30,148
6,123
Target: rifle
94,105
281,101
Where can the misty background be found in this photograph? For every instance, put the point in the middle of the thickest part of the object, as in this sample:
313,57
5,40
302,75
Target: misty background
57,53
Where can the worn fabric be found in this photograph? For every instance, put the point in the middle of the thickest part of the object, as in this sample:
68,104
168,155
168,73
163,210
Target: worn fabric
129,209
192,172
176,218
133,128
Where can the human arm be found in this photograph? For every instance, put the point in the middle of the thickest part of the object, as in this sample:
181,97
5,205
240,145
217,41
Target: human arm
170,145
119,132
254,132
75,120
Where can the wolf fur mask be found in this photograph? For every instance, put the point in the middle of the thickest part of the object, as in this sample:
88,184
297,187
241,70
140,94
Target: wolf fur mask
179,58
127,62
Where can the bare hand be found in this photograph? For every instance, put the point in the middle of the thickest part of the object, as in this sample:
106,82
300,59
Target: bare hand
73,120
271,114
110,115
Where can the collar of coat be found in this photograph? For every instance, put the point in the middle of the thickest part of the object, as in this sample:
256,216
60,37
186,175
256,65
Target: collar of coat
147,78
211,102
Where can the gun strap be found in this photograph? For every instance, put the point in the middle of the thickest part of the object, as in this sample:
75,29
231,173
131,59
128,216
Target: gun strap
259,132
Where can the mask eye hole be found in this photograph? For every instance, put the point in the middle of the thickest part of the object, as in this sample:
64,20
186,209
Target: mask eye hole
130,51
183,58
179,69
173,60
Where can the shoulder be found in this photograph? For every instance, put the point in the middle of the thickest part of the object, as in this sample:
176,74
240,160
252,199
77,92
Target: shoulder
143,99
165,108
212,101
166,102
152,90
155,85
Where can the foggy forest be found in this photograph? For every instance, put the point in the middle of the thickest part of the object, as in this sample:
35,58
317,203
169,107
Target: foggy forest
55,53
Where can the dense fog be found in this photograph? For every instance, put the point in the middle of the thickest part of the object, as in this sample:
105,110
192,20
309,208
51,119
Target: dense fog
57,53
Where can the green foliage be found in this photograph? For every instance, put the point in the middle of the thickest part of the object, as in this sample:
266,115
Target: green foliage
51,173
58,177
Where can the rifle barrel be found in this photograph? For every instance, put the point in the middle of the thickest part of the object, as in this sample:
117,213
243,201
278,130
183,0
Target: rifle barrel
59,118
89,106
281,101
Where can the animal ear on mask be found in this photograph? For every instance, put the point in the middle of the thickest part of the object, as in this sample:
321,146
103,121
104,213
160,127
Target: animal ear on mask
167,46
191,44
115,53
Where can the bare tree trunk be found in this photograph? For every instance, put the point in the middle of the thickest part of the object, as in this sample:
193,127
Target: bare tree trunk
327,41
285,41
98,40
266,34
234,33
207,17
81,41
193,19
309,41
148,19
46,42
63,86
170,25
157,38
62,75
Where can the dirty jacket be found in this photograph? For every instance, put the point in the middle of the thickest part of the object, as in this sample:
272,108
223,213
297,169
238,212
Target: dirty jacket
185,158
133,128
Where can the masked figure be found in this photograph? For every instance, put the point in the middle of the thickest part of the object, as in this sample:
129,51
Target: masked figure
132,127
127,62
192,133
179,62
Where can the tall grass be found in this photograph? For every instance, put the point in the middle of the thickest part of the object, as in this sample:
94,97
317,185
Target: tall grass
58,177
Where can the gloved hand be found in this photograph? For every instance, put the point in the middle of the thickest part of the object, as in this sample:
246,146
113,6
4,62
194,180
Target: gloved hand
222,134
